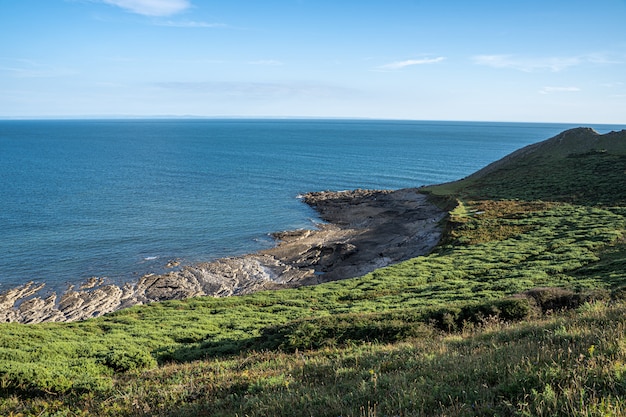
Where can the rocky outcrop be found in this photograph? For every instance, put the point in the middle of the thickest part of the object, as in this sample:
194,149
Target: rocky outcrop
364,230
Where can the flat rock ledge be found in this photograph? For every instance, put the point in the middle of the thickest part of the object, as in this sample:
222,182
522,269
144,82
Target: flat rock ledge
363,230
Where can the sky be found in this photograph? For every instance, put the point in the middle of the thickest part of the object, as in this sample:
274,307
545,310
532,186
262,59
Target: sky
470,60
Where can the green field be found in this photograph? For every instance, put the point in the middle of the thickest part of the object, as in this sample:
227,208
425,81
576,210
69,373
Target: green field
519,311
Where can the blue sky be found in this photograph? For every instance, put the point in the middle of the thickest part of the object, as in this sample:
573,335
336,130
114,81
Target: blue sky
532,60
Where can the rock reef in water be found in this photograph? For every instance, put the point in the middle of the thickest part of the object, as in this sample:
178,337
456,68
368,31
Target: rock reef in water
365,230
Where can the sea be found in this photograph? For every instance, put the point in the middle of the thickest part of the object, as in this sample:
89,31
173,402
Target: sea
118,199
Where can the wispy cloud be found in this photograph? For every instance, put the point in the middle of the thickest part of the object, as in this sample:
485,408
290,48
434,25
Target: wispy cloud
605,58
267,62
536,64
255,89
151,7
410,62
549,90
190,24
612,85
24,68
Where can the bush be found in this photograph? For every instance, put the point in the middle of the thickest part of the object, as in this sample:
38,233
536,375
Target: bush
389,327
343,329
557,299
455,317
127,359
619,293
46,378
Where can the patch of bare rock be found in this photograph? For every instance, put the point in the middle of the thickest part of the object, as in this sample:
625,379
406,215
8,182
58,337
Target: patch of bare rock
363,230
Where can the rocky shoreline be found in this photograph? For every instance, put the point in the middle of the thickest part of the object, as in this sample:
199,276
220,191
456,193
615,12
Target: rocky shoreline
364,230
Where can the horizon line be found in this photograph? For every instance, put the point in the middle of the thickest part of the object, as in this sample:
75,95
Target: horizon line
227,117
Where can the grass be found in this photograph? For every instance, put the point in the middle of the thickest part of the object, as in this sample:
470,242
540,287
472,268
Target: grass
519,311
576,167
571,363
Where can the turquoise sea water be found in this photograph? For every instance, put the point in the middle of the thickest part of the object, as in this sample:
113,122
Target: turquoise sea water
119,198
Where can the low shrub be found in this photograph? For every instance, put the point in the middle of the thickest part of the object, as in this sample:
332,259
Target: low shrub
124,359
340,330
456,317
557,299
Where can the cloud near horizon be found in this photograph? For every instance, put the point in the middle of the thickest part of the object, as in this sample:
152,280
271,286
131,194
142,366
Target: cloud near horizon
190,24
267,62
155,8
548,90
532,64
25,68
410,62
255,89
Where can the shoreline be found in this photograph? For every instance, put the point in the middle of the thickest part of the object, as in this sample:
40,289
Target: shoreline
365,230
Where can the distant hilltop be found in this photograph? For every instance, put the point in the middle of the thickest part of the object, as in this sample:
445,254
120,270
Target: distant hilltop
578,165
579,140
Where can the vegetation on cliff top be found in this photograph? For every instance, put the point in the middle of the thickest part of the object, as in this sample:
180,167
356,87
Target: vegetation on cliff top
578,166
519,311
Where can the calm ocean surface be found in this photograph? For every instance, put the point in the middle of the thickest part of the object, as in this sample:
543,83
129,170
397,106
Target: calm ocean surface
119,198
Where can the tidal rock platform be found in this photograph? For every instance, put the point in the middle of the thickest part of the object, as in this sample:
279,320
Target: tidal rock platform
360,231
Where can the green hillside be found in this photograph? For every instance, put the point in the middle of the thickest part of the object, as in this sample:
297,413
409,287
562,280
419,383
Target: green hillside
519,311
578,166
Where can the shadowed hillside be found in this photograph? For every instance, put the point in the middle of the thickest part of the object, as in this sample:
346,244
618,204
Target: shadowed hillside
578,166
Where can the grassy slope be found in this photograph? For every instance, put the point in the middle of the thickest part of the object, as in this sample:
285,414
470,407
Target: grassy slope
578,166
565,229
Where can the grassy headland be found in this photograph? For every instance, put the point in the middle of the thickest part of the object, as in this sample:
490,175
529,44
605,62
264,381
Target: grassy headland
519,311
